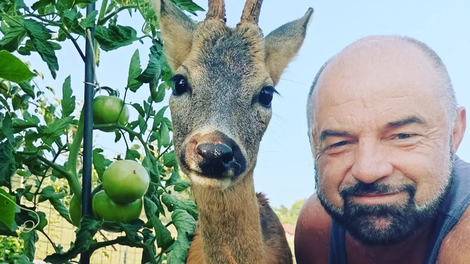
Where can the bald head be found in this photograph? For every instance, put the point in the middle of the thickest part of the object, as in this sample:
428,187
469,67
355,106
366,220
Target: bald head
403,62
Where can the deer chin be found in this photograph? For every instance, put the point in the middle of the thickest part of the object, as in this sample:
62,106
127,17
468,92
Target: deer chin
221,183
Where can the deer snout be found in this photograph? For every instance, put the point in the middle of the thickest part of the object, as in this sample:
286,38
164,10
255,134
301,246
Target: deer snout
215,159
217,153
213,155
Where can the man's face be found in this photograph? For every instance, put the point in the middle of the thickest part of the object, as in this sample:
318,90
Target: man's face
381,140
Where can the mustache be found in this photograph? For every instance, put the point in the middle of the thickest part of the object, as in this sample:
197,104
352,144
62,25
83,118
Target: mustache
362,188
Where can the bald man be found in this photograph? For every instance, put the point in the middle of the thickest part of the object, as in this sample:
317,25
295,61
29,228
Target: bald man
384,126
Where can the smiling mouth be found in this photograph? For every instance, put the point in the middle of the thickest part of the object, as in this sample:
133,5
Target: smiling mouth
378,198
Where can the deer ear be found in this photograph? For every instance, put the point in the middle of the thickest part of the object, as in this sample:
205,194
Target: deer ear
282,44
177,32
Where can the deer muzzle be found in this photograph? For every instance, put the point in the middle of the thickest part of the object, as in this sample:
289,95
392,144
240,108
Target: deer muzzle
214,156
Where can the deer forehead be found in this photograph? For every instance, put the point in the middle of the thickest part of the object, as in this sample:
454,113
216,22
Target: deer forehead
222,56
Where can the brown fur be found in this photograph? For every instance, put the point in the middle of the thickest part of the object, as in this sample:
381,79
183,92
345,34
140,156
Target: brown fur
226,69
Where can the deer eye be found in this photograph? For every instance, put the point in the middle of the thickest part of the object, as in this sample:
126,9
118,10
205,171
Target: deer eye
266,96
180,85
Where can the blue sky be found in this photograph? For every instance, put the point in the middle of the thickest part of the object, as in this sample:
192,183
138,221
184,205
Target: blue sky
285,166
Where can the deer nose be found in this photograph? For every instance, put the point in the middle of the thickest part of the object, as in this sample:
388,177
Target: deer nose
216,160
215,152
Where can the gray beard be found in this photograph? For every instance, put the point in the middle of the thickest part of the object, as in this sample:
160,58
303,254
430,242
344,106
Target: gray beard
403,220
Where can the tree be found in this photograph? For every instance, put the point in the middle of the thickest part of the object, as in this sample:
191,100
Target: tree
289,216
36,133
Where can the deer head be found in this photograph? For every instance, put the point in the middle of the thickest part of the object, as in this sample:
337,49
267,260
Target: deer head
223,86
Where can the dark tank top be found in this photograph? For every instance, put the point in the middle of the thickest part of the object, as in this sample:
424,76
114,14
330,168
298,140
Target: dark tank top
449,213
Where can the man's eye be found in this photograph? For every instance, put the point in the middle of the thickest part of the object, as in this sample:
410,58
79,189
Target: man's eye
339,144
404,136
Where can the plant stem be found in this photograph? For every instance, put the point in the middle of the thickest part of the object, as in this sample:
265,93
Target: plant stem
75,147
71,179
50,240
102,21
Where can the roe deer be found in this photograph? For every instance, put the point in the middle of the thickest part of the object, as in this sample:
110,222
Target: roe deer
220,108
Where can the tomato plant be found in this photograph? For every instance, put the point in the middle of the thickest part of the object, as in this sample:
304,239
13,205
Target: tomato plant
109,110
125,181
42,132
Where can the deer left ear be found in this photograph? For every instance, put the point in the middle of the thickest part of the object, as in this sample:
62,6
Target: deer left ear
177,32
282,44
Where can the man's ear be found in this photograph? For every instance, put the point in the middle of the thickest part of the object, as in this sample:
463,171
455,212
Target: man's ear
282,44
459,128
177,32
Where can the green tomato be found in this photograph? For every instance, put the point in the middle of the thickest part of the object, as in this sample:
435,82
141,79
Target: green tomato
75,210
107,209
125,181
109,110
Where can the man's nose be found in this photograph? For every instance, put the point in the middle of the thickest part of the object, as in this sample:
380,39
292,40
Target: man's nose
371,162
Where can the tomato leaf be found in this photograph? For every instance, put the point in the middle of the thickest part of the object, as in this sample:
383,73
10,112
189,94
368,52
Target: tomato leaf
181,185
164,239
134,72
185,225
84,238
89,20
13,69
14,33
63,5
7,209
39,36
7,128
117,136
55,129
132,154
158,118
149,241
41,3
115,36
142,124
139,109
68,101
152,71
22,259
173,203
29,238
70,19
7,165
164,135
169,159
188,5
27,88
48,193
100,162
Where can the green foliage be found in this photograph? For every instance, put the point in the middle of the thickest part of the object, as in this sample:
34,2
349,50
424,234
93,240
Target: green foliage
12,249
13,69
289,216
36,132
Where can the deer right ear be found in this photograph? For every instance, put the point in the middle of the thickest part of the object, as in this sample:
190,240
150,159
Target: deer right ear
177,32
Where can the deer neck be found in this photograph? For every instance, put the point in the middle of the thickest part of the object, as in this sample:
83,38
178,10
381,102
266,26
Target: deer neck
229,223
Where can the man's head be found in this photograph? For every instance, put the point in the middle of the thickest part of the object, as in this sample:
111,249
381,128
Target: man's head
383,127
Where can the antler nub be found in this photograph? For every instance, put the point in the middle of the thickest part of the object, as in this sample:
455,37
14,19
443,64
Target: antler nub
216,10
251,11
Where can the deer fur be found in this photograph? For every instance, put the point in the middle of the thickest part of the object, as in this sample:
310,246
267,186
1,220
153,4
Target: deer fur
226,70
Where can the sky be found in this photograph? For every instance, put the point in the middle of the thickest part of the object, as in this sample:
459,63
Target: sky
284,169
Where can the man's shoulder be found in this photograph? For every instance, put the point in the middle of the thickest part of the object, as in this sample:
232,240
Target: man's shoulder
456,245
312,233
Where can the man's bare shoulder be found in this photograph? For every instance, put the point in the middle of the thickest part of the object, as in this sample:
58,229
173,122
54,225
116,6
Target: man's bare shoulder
456,245
312,233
